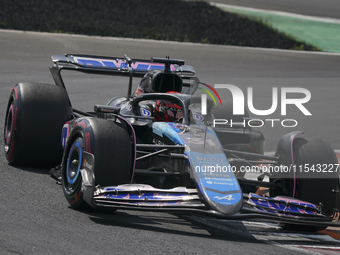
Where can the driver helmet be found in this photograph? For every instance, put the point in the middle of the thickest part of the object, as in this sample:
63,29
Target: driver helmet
168,111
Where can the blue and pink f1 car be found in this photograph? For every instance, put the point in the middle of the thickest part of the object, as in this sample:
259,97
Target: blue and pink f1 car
120,157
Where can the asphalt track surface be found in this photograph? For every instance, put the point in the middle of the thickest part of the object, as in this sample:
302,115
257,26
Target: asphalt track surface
319,8
35,217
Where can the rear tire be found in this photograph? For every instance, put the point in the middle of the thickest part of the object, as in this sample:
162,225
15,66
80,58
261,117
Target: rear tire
35,116
111,146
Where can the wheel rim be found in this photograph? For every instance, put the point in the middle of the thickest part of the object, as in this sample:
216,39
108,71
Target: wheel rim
8,127
73,164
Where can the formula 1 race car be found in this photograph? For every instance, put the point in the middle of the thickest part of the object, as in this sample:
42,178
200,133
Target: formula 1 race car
159,149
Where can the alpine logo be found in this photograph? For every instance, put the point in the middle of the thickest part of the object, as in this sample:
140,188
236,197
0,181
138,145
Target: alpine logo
228,197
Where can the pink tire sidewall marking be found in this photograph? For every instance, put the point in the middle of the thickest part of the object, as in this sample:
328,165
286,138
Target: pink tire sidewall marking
11,122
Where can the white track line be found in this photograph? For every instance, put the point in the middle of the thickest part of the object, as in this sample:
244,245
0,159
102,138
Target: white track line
287,14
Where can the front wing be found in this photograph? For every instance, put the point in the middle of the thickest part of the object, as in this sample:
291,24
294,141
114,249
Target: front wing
184,200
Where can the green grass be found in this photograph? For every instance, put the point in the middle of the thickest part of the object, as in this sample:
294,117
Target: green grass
323,36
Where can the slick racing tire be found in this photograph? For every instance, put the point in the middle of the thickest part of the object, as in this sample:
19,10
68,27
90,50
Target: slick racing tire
312,185
111,146
35,117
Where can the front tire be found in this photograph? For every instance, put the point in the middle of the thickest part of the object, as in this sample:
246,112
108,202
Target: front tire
111,146
311,186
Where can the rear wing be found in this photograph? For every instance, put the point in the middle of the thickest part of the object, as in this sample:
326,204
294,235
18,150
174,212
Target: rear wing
117,66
